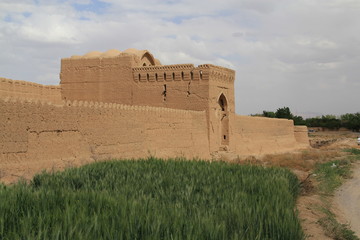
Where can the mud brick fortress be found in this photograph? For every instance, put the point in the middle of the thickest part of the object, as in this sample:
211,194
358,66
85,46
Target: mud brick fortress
127,105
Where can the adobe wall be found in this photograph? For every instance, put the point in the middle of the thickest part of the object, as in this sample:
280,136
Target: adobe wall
180,86
107,79
220,119
28,90
260,135
37,135
301,135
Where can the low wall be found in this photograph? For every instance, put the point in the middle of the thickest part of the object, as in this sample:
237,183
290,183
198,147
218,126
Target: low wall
28,90
301,135
259,135
38,135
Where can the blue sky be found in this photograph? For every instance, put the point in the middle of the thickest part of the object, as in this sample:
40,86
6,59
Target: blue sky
298,53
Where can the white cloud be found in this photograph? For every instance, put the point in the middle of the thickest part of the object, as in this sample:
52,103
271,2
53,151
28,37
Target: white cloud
285,52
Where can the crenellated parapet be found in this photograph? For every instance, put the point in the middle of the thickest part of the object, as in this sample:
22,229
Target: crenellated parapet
18,83
98,105
219,74
174,67
183,72
29,90
178,72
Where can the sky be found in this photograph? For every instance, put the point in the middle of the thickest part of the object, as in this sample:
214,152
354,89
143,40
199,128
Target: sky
302,54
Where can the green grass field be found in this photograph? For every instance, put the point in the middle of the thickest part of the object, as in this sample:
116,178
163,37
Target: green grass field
153,199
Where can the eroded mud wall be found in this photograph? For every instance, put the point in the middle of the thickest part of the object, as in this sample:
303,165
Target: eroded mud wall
28,90
38,135
301,135
97,79
180,86
259,135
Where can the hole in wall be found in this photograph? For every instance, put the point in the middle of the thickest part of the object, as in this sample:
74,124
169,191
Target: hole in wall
192,75
182,75
224,120
147,76
201,75
144,64
188,90
173,76
139,76
156,76
164,92
222,104
164,76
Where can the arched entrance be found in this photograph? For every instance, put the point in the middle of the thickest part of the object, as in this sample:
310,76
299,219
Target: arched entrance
224,120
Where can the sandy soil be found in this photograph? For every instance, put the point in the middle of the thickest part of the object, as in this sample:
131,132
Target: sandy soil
343,205
347,197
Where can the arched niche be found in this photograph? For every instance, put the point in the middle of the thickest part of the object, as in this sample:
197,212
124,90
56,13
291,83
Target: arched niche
224,119
147,59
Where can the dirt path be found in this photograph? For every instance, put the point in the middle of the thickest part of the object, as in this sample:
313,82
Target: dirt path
347,198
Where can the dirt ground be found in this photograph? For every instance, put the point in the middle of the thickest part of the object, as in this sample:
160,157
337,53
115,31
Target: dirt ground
343,203
347,197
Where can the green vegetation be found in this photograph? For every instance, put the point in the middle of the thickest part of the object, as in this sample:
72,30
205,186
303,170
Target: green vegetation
350,121
327,121
285,113
330,176
153,199
334,228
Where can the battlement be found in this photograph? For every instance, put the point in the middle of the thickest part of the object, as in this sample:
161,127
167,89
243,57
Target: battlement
30,90
174,67
98,105
219,74
105,105
185,72
179,72
18,83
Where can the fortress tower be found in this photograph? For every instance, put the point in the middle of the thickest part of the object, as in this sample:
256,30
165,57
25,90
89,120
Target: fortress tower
135,77
123,105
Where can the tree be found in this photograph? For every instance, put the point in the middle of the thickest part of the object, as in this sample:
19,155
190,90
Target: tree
284,113
313,122
298,120
331,122
351,121
269,114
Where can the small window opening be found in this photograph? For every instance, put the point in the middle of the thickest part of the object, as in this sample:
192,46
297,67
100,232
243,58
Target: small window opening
139,76
173,76
164,92
188,90
201,74
192,75
164,76
224,137
147,76
156,76
182,75
222,105
144,64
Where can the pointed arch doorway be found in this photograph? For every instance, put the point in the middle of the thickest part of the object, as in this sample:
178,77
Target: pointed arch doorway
224,120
